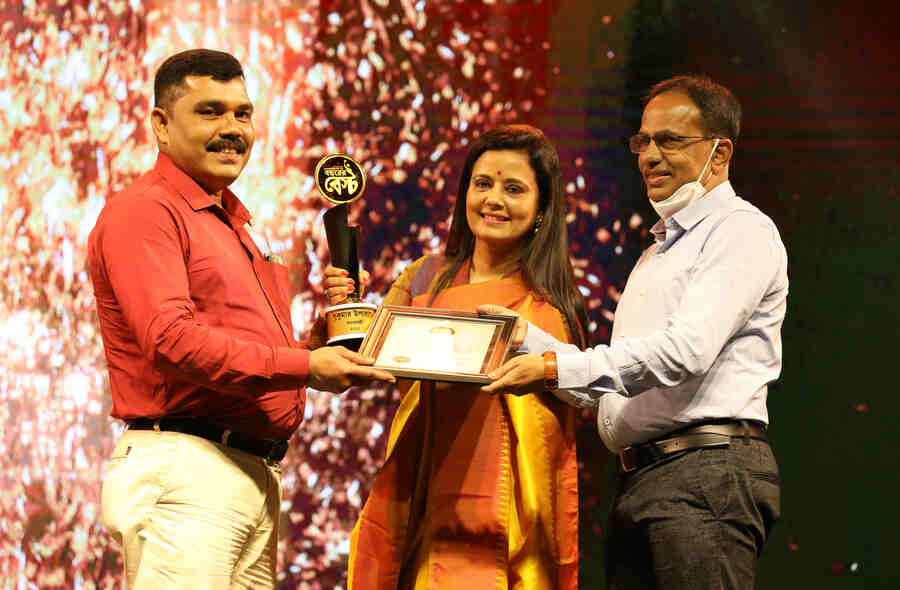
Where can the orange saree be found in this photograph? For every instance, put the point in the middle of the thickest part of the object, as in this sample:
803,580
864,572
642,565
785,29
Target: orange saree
478,491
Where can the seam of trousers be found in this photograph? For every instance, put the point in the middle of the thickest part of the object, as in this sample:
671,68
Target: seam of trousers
719,532
263,509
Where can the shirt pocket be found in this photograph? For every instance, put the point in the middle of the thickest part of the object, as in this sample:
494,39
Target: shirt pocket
274,280
277,280
221,276
671,274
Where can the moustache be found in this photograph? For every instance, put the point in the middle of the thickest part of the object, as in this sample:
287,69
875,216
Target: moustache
222,143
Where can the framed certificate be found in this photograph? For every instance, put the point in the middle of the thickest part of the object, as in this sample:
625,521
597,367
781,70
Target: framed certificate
437,344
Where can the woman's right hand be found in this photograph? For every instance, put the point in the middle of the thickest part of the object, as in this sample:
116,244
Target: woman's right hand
338,284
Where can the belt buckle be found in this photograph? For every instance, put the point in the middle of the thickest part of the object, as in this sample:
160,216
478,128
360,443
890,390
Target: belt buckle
626,468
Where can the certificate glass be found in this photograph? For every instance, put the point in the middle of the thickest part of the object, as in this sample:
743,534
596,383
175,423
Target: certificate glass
437,345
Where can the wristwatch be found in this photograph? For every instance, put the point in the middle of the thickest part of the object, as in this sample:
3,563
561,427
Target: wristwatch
551,375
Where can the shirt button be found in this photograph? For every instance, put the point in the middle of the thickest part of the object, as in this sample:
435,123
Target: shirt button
607,421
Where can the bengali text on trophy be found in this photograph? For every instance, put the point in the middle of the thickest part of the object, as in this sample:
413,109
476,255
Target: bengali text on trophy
341,180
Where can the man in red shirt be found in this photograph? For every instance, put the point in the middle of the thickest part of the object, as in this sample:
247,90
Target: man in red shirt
202,360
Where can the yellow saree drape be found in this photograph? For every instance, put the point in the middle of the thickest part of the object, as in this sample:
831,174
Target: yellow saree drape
477,491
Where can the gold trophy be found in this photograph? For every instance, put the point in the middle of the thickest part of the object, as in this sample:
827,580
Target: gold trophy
342,180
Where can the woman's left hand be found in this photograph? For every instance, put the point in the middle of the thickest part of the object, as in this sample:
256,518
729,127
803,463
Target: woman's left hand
338,284
521,328
518,376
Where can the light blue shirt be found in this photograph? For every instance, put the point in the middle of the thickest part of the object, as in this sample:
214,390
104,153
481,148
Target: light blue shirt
697,331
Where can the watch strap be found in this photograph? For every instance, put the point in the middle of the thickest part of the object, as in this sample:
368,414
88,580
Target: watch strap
551,372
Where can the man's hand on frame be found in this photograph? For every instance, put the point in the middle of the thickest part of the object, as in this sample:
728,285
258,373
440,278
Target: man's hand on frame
334,369
518,376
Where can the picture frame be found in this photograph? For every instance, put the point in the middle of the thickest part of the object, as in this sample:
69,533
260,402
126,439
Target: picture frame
438,344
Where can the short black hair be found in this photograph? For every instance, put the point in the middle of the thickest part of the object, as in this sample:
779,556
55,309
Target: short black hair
719,107
170,76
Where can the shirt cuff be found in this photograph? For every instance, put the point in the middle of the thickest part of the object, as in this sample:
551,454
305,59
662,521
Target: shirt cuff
293,364
573,370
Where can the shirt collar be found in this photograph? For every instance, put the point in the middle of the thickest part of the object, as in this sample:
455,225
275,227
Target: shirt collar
665,229
194,194
702,207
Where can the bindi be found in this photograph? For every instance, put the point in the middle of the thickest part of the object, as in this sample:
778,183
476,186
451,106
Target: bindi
499,173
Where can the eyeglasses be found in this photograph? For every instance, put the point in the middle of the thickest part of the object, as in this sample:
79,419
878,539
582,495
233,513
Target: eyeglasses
666,142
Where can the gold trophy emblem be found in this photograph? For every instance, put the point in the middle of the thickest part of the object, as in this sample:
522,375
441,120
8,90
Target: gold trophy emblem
342,180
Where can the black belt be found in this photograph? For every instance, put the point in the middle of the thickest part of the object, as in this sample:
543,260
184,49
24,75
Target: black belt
705,434
273,450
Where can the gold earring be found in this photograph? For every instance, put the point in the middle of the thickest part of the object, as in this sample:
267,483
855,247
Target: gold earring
538,222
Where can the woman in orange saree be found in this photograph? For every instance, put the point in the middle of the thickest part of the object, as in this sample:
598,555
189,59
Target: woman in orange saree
480,491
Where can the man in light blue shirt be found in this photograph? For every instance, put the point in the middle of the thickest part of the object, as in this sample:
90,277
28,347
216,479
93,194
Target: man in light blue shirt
680,391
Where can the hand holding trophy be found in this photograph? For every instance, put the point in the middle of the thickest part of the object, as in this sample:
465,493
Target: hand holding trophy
342,180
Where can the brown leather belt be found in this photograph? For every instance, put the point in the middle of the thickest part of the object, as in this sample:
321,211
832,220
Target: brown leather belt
705,434
272,450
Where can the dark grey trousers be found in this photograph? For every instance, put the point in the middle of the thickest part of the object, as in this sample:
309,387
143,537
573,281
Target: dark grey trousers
697,520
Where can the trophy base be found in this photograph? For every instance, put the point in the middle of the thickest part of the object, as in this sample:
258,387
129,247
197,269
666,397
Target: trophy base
348,323
348,341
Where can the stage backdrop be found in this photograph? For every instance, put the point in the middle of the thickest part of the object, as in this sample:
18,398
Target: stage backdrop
403,86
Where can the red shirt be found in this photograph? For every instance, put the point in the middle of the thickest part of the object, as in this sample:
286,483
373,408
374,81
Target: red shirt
195,322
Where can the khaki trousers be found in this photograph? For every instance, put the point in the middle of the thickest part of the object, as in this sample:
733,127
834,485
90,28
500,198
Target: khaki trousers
192,514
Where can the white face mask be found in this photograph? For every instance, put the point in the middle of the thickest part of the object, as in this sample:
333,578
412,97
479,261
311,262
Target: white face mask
686,193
